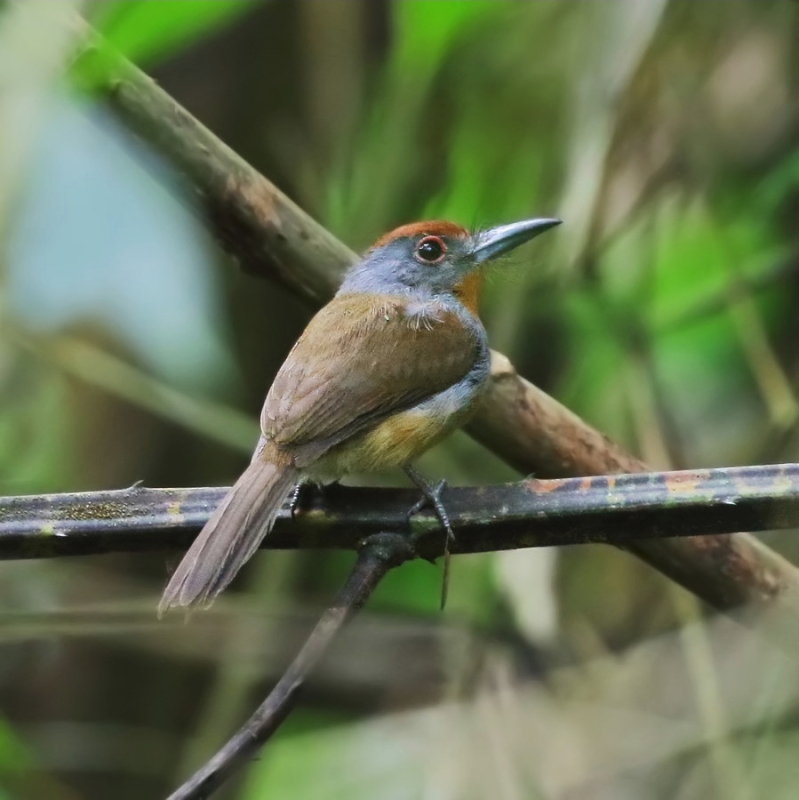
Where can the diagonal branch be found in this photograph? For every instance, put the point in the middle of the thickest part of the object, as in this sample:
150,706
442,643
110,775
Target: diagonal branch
618,510
272,237
377,555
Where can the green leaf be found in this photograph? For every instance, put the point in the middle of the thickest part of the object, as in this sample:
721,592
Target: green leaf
425,30
352,761
14,756
150,30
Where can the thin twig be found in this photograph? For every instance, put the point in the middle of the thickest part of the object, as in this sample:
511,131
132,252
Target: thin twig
271,237
377,555
533,513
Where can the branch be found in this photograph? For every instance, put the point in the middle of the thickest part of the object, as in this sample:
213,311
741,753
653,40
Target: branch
272,237
618,510
264,231
377,555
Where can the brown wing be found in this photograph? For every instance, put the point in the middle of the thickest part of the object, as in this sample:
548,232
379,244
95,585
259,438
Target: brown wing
345,373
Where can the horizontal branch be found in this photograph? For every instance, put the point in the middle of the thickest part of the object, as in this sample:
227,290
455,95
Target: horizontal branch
272,237
533,513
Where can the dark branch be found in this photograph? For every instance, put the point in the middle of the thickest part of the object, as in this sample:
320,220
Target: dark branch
272,237
533,513
377,555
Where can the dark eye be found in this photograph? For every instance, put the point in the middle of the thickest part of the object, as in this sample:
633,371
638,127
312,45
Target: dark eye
430,250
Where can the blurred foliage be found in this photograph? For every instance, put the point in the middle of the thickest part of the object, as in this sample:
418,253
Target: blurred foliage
147,32
664,133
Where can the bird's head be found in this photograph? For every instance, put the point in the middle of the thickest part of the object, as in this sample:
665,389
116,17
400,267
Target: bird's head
439,257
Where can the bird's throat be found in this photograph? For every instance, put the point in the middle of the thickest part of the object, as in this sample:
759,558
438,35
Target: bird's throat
468,291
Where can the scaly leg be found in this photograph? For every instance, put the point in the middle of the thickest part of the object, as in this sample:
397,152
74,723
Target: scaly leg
431,495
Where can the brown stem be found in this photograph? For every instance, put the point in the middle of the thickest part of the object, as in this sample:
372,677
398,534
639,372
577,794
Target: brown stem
536,434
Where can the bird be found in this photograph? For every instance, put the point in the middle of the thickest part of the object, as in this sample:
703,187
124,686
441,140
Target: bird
396,361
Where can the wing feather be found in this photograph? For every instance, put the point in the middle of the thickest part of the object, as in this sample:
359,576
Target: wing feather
344,374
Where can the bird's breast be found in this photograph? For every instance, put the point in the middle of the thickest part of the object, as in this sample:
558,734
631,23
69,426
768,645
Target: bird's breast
375,380
403,437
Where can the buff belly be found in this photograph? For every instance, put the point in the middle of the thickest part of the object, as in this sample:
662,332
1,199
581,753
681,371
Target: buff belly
401,438
396,441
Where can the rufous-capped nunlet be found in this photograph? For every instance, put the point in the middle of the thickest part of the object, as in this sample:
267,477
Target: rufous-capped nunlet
390,366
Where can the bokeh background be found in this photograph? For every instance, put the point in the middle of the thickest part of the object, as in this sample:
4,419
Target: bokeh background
665,134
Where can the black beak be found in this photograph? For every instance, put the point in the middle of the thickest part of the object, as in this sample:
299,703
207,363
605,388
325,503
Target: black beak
494,242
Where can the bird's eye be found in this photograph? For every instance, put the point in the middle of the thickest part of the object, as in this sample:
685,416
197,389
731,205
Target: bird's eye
430,250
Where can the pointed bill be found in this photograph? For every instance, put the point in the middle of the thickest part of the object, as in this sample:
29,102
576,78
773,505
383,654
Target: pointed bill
494,242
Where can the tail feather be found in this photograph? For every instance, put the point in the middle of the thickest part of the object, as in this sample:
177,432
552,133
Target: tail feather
232,534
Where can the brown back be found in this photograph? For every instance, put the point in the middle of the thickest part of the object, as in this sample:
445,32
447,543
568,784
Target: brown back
360,360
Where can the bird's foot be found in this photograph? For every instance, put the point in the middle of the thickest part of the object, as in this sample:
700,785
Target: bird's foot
303,492
431,496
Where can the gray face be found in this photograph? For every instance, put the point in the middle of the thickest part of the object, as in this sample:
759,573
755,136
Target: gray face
434,263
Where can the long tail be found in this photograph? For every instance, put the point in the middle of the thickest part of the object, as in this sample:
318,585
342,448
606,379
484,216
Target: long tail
233,532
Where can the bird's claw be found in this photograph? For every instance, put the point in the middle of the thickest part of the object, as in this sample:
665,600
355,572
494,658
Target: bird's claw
303,492
431,495
299,494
